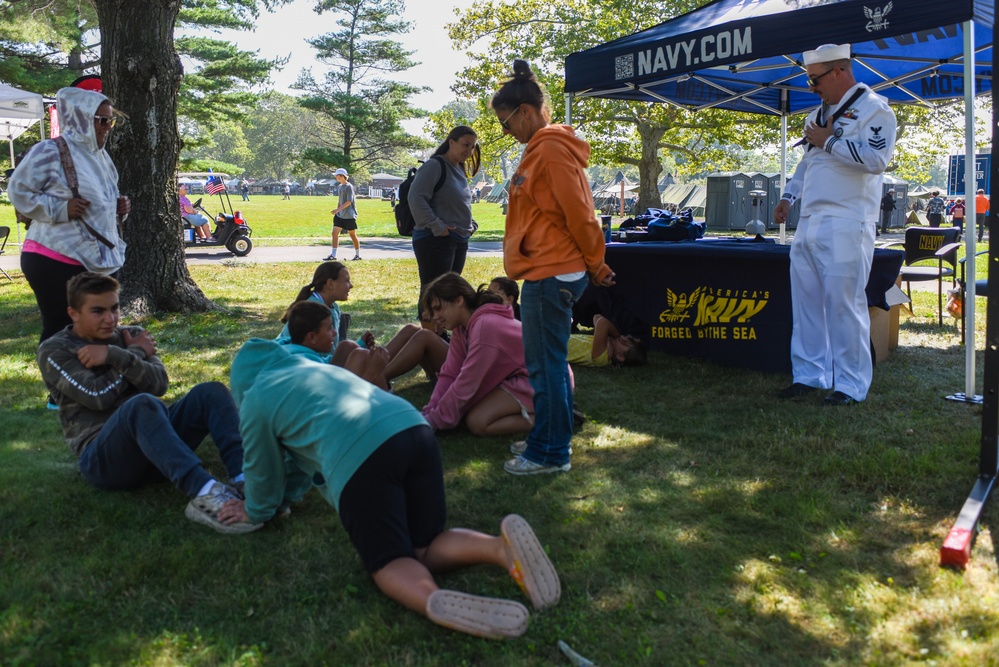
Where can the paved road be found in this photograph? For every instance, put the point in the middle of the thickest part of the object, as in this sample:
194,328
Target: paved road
371,248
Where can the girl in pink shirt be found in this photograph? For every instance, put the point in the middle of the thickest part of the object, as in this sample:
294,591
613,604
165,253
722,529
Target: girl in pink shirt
484,378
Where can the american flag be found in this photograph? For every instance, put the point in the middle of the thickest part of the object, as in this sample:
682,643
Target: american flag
214,185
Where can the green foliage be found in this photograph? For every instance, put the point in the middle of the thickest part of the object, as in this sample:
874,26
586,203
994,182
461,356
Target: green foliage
360,113
46,44
619,132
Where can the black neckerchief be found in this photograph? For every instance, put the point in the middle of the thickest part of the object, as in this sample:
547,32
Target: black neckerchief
839,112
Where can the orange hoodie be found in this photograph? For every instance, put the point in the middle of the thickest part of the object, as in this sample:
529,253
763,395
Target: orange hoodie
551,228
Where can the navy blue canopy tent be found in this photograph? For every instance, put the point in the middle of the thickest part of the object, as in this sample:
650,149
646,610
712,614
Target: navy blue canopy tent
745,55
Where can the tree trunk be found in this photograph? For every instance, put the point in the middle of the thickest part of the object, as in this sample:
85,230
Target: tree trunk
141,74
649,166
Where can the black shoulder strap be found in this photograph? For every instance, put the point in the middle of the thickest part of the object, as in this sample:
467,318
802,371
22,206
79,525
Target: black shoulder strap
839,112
440,180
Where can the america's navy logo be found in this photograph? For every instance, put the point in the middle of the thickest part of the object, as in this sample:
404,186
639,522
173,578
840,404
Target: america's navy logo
877,17
877,142
679,304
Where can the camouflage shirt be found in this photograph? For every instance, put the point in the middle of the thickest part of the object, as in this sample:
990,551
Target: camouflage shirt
87,397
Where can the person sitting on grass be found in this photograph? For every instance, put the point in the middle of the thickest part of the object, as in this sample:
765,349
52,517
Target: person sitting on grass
331,284
606,347
106,380
484,379
376,461
509,291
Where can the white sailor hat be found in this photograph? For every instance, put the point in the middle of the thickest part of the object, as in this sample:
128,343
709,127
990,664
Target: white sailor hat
827,53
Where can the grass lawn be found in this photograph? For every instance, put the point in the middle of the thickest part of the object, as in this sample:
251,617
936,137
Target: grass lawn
302,220
703,522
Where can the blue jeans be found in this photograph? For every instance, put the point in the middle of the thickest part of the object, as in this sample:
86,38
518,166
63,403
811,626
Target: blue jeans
146,441
546,312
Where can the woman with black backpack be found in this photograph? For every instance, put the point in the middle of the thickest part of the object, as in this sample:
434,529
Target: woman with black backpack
441,204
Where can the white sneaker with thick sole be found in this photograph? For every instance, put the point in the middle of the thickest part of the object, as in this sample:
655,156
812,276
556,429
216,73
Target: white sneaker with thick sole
205,510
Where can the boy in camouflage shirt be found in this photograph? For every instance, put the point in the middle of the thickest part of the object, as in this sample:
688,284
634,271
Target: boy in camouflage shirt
106,380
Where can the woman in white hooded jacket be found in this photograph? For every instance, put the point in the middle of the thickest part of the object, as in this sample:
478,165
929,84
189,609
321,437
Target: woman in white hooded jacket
58,245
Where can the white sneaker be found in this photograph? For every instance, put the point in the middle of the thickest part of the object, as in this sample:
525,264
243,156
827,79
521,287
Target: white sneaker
521,466
205,509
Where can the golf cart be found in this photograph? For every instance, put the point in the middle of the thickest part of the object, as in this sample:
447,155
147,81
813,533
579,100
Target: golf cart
231,230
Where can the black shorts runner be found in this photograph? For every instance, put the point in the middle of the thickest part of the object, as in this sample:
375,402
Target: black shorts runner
344,223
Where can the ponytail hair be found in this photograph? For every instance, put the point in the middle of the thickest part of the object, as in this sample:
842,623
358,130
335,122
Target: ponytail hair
325,271
522,87
450,286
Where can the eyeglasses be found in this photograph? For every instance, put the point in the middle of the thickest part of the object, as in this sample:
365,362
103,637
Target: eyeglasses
505,123
106,121
814,82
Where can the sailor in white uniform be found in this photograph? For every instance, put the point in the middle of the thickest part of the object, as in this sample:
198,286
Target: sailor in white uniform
848,143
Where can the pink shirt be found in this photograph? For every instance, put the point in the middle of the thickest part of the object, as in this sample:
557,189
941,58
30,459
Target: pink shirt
486,354
39,249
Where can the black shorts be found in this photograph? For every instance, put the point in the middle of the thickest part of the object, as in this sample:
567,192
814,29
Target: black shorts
394,503
344,223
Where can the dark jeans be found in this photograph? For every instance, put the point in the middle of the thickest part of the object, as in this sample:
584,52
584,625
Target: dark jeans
435,256
47,278
934,219
145,441
546,312
980,219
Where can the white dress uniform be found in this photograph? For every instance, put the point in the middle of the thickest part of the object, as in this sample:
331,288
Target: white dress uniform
840,190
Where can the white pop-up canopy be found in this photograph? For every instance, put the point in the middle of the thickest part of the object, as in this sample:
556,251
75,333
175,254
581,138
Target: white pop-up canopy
19,110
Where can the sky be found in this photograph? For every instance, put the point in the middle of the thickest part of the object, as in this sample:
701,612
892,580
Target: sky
284,32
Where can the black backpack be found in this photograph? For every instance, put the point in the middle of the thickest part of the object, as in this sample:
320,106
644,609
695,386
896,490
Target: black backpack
404,221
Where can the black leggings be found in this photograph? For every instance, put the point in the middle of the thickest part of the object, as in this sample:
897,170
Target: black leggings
48,278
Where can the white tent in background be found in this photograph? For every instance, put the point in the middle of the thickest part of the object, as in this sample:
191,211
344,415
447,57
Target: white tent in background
19,110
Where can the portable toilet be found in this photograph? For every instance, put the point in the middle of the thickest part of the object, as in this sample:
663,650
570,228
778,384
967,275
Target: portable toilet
728,205
901,189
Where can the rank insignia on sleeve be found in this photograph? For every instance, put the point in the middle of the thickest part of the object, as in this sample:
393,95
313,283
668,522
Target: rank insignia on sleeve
877,142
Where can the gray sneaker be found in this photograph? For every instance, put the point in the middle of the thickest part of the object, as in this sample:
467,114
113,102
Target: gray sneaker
521,466
205,509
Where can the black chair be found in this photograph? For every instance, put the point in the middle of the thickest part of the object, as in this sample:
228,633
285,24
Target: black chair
4,235
981,288
923,244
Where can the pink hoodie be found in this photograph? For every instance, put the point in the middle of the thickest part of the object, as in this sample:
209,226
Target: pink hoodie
486,354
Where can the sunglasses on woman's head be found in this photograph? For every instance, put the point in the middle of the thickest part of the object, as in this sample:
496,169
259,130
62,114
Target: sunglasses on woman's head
106,121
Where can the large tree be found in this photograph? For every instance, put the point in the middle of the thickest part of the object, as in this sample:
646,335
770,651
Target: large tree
142,72
361,111
544,34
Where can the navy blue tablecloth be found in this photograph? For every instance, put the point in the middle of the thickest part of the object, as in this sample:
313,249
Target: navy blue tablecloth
724,300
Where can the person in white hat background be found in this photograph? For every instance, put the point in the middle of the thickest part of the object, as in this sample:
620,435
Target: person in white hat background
849,141
344,215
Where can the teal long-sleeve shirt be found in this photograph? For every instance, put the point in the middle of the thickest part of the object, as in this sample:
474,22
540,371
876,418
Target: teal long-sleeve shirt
306,423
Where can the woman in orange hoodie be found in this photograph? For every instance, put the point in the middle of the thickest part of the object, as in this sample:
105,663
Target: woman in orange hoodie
552,242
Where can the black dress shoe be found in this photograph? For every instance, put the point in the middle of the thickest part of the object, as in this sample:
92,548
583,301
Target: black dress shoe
796,390
838,398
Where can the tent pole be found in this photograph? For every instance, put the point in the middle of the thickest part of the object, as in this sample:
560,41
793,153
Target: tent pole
970,188
568,108
956,549
783,169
